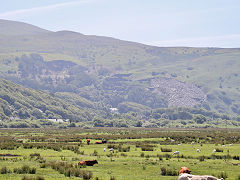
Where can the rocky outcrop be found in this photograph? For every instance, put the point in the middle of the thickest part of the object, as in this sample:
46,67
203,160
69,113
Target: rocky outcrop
178,93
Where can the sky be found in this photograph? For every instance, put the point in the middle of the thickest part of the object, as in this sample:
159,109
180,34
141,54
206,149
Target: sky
195,23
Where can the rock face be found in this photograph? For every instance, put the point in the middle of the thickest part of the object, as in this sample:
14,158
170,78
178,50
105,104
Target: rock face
178,93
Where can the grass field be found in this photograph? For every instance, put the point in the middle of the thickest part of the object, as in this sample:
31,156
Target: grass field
137,153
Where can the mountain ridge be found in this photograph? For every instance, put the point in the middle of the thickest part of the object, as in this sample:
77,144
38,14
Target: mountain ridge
117,72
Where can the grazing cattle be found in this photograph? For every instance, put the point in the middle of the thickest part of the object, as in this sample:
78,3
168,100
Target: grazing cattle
184,174
198,151
101,142
88,141
192,143
104,149
184,170
176,153
230,144
111,149
104,141
214,150
87,162
98,142
179,144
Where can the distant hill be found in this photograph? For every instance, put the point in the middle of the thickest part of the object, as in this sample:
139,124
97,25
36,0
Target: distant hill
113,73
17,102
14,28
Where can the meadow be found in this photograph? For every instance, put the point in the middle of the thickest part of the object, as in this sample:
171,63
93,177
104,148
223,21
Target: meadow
53,154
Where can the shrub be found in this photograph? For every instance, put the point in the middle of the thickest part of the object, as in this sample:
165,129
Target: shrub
28,178
87,175
238,178
219,150
147,148
40,178
201,158
32,178
4,170
32,171
25,169
223,175
69,169
168,172
160,157
166,149
35,154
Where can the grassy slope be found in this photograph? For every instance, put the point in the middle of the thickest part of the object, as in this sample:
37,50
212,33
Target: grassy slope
16,100
215,69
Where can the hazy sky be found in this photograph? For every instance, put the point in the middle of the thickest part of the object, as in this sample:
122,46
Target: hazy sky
214,23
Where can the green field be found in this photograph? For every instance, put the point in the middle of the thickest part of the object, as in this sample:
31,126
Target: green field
137,153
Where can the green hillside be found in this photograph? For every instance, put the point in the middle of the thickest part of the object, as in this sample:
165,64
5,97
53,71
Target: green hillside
27,108
17,102
115,73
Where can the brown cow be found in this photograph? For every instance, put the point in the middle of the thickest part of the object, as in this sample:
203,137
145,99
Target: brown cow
88,141
87,162
98,142
184,174
184,170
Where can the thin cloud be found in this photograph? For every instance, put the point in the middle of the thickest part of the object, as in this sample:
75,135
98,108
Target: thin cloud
228,41
20,12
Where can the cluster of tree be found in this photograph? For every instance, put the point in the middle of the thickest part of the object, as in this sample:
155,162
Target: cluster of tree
17,102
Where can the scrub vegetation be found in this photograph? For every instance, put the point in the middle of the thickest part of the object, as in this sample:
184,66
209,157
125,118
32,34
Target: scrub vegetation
125,153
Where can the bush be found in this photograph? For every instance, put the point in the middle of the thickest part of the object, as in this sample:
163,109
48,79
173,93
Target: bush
4,170
168,172
166,149
223,175
147,148
69,169
25,169
32,178
35,154
201,158
219,150
40,178
28,178
87,175
160,157
238,178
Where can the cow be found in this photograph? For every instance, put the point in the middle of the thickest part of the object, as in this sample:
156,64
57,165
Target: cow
214,150
111,150
88,162
198,150
101,142
104,141
176,153
184,174
98,142
88,141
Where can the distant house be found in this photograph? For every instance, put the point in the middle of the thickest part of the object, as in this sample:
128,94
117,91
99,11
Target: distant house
56,120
